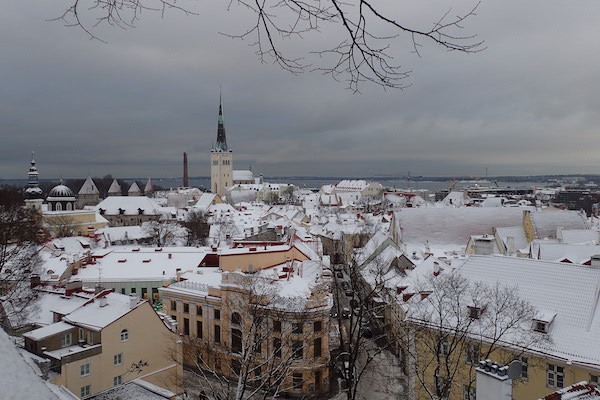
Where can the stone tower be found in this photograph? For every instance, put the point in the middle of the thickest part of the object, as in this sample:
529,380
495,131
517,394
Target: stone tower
221,157
33,193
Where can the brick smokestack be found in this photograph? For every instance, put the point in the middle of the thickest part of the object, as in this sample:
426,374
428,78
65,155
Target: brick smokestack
185,170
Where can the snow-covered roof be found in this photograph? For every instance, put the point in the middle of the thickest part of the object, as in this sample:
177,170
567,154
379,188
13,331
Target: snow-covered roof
569,290
243,175
121,233
136,389
516,232
130,204
575,236
143,264
48,330
205,201
547,222
134,188
88,187
18,380
450,225
457,199
114,187
558,252
351,185
95,315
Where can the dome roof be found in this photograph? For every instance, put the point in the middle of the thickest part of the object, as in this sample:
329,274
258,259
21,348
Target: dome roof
61,191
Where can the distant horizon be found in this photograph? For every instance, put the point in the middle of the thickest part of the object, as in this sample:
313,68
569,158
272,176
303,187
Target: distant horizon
327,177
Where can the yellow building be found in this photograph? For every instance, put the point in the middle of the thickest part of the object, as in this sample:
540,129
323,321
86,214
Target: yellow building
108,341
256,326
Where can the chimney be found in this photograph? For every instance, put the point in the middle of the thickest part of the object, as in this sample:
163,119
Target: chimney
484,245
596,261
35,280
133,301
185,170
510,245
73,286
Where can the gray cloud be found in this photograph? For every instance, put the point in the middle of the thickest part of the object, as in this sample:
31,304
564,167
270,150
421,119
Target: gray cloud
528,104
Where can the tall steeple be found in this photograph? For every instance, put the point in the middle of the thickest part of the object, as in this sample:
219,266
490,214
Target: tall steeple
221,138
33,190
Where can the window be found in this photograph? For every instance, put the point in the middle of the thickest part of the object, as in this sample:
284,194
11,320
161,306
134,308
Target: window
236,319
133,290
118,359
277,348
297,381
173,305
186,326
117,380
297,350
124,335
186,308
472,354
66,340
469,392
317,347
317,326
443,347
318,380
85,391
217,314
84,369
236,367
217,363
257,346
555,376
277,326
199,310
122,290
524,367
81,334
441,386
217,334
236,341
474,312
297,328
595,380
154,293
540,326
144,293
199,329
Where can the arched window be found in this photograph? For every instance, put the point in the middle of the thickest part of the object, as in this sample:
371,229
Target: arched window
69,208
236,319
58,207
124,335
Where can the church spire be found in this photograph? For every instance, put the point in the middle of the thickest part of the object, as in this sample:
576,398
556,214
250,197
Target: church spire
221,139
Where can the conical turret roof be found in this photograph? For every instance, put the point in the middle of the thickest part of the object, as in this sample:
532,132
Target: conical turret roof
89,187
134,188
149,188
114,187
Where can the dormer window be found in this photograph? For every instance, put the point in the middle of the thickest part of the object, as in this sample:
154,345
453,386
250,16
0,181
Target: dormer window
102,211
474,312
121,211
540,326
542,321
140,211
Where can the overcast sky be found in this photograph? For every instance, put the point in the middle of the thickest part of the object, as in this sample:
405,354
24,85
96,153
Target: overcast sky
528,104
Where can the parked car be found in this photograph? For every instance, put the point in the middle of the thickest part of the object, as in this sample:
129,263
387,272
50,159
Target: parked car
339,274
345,312
334,312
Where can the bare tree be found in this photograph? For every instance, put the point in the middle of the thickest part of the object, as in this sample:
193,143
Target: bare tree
21,233
197,227
62,225
263,350
164,233
456,324
367,33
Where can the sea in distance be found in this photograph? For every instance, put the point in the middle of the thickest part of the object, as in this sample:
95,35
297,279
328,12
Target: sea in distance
315,183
